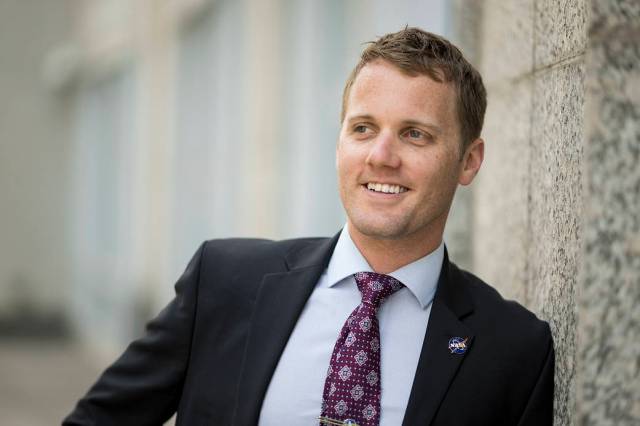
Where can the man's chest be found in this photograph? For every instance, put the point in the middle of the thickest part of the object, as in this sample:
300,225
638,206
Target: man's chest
299,377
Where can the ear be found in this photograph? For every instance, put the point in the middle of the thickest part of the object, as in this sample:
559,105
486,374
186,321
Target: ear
471,161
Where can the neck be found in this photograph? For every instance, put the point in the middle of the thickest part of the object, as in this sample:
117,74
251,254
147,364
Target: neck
387,255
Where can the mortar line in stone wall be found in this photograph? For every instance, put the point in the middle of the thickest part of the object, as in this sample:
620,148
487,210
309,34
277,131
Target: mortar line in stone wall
559,63
512,81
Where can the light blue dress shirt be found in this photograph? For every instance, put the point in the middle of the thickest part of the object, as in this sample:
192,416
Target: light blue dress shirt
295,392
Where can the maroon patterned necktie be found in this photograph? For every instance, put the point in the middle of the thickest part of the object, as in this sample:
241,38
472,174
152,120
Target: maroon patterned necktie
352,387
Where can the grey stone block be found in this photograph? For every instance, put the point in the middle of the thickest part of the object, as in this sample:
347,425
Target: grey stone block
563,236
507,40
556,215
466,23
560,30
500,229
609,316
457,234
607,14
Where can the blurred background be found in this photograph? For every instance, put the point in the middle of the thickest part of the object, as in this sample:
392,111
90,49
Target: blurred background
131,131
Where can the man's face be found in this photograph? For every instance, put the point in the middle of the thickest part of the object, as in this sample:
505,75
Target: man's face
398,157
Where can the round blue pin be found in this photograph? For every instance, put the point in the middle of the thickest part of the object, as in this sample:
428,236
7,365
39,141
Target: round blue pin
458,345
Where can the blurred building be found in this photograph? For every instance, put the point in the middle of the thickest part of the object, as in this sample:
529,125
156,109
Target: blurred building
158,124
132,131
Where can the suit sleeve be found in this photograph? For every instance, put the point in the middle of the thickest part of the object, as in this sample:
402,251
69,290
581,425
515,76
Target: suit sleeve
539,408
143,387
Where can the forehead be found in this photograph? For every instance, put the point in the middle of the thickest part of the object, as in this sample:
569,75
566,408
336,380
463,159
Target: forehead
382,89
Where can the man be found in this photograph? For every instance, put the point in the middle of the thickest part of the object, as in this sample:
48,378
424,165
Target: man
372,327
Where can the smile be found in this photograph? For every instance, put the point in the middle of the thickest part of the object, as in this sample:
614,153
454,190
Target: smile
385,188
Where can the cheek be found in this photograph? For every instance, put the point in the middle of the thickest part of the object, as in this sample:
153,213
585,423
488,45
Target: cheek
442,166
344,168
340,161
346,159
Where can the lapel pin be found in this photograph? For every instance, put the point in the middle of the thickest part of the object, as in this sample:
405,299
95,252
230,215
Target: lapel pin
458,345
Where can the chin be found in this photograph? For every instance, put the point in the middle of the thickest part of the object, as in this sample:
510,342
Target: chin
387,230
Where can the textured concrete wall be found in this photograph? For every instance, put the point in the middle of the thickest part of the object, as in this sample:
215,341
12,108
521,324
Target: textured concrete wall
609,293
528,198
556,207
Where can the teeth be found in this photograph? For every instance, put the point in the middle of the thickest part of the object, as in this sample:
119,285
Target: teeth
386,188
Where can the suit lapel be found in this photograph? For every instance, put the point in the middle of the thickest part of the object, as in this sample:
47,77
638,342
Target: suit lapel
278,305
438,365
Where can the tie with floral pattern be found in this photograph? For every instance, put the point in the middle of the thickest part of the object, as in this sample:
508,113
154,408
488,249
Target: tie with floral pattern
352,387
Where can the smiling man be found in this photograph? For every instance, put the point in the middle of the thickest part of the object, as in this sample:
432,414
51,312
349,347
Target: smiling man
400,158
375,326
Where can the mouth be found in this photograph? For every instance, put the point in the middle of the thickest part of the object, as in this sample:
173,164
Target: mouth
385,188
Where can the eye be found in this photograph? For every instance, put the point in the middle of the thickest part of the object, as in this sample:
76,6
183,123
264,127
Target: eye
362,131
417,135
414,134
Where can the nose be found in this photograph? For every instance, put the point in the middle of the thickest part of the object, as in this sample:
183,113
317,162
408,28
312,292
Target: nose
383,151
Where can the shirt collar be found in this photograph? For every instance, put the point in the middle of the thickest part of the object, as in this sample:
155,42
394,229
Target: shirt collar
420,276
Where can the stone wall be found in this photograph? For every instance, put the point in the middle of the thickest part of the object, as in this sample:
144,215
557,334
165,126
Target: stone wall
608,364
556,205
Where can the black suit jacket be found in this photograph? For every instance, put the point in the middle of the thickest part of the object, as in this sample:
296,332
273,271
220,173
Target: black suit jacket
211,352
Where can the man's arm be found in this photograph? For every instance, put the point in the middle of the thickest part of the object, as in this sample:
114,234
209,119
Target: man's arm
539,409
143,387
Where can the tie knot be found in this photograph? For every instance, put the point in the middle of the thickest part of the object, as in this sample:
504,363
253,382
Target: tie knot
376,287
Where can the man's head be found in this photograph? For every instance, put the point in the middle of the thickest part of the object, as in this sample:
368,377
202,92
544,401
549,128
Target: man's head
400,157
417,52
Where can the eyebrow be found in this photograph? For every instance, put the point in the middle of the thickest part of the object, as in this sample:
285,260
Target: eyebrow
432,127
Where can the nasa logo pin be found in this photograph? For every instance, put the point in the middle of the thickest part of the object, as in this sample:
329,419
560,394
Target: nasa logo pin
458,345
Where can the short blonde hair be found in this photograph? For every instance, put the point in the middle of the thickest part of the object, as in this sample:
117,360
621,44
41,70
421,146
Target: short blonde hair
418,52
